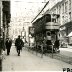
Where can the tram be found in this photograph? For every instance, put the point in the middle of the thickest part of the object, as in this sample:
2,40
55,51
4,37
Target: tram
46,33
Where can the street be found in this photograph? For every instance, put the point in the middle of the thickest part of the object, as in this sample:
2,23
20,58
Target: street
43,28
29,61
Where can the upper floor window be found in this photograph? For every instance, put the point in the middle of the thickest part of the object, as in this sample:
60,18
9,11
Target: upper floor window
66,5
53,20
69,4
62,8
55,11
59,9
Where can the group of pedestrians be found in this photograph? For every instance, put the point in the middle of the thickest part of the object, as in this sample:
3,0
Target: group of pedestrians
18,45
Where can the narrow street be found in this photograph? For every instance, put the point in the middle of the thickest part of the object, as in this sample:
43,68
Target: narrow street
36,24
29,61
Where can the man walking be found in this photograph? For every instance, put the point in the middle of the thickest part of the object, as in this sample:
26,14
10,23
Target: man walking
18,44
8,45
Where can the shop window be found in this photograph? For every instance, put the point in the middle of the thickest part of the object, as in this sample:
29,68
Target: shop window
48,34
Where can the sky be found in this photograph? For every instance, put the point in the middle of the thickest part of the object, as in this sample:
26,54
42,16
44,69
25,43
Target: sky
28,9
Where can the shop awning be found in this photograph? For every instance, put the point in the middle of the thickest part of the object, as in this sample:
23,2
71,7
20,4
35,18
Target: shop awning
70,34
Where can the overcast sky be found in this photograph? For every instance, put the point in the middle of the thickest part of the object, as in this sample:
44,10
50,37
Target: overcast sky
29,8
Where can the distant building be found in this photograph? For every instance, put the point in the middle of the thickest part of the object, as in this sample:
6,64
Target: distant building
16,27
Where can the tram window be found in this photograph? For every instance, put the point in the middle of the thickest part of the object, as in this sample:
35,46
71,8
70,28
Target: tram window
52,32
54,20
49,34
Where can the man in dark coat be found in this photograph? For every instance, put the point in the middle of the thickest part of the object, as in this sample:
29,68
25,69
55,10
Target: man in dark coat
1,46
57,44
19,44
8,45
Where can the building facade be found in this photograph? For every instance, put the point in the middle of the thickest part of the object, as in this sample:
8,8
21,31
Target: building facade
4,25
4,19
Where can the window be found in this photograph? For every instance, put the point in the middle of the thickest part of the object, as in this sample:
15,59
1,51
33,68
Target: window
55,11
62,8
69,4
53,17
66,5
59,9
54,20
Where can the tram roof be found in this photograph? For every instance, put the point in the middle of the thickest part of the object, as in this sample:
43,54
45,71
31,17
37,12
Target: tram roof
49,15
46,16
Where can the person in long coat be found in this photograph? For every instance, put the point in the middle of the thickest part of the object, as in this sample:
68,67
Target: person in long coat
56,45
8,45
19,44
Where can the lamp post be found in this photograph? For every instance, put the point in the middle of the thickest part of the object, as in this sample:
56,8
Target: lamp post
29,38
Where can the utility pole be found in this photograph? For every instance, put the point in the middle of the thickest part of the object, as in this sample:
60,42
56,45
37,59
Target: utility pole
40,11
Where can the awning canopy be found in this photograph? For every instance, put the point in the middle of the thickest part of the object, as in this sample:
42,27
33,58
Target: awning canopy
70,34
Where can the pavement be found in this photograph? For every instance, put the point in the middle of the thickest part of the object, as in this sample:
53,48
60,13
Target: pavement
29,61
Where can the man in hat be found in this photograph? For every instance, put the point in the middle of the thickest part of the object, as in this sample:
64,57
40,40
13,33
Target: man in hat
8,45
19,44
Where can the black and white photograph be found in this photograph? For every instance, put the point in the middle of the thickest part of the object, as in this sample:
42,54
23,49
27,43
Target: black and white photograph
36,35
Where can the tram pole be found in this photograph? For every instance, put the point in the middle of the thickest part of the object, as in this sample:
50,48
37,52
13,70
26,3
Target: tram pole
42,51
52,50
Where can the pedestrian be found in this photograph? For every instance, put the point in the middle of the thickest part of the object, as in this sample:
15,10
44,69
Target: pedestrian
18,44
1,45
8,45
56,45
